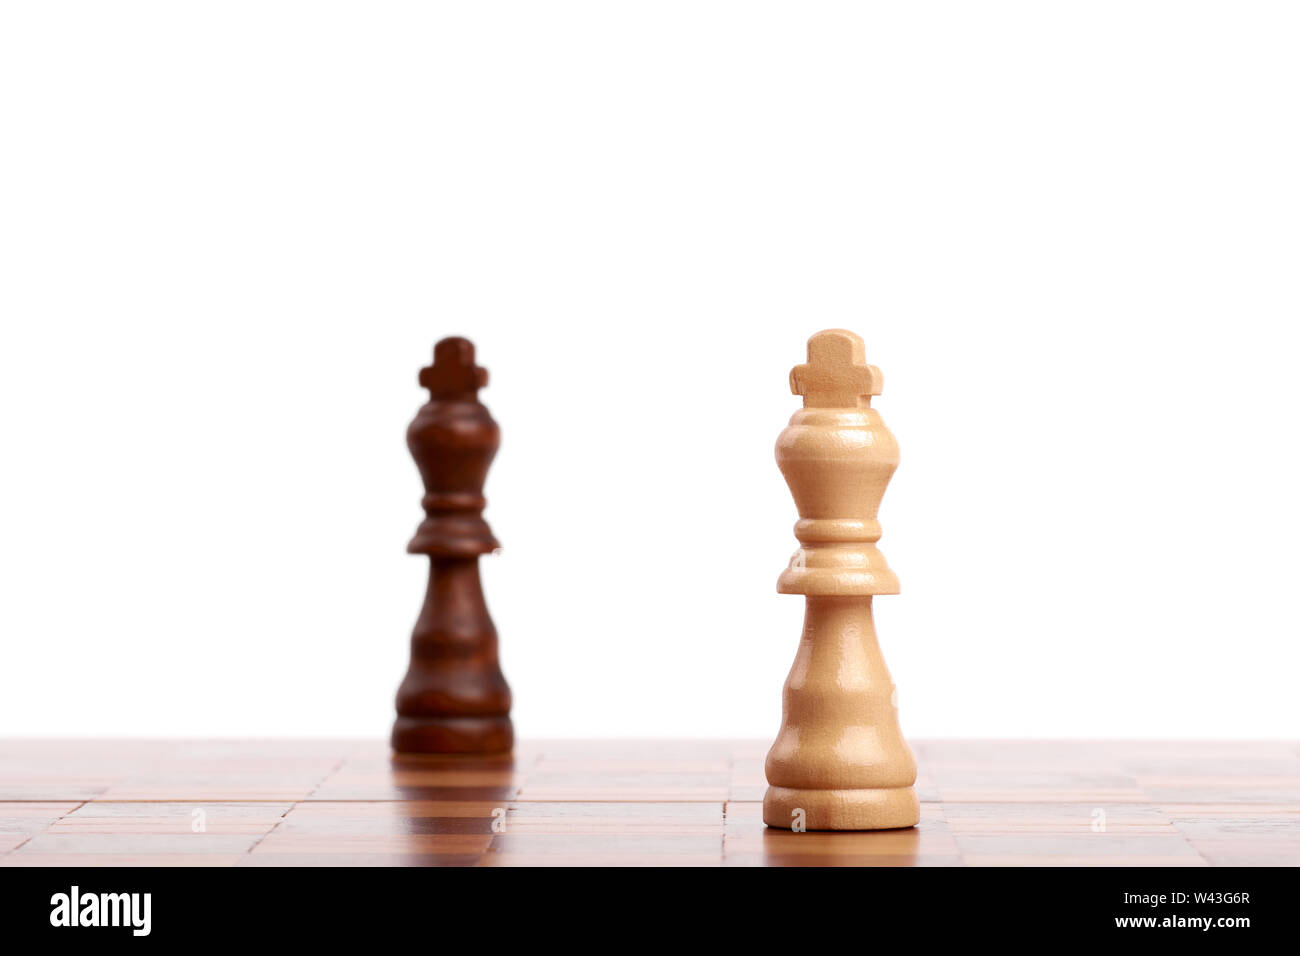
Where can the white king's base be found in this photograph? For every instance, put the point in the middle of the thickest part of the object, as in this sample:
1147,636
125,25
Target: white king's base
841,809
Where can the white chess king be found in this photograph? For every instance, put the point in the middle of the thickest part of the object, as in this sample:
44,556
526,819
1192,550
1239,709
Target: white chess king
839,761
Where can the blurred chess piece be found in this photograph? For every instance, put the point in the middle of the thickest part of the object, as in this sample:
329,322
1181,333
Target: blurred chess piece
454,698
839,761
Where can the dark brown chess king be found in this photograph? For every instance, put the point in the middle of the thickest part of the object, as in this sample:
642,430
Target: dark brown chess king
454,698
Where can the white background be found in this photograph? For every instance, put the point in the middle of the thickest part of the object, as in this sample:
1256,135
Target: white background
230,234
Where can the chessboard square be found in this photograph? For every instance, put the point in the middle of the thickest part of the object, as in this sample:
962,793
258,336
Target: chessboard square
1242,840
360,792
1279,830
182,784
1092,796
930,838
1229,758
1091,860
32,817
134,844
328,810
1245,853
360,859
1216,781
411,777
101,817
1134,847
612,817
749,858
116,859
387,824
604,849
548,764
50,788
747,815
995,777
1062,818
1211,810
1033,756
626,786
289,842
618,858
386,758
1225,793
636,749
405,778
206,793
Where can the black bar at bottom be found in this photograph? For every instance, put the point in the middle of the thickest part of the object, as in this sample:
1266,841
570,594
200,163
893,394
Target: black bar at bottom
338,907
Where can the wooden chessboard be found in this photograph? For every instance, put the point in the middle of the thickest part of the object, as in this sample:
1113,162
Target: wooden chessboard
633,802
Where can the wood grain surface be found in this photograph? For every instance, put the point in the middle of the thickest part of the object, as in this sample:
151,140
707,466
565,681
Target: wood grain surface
633,802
